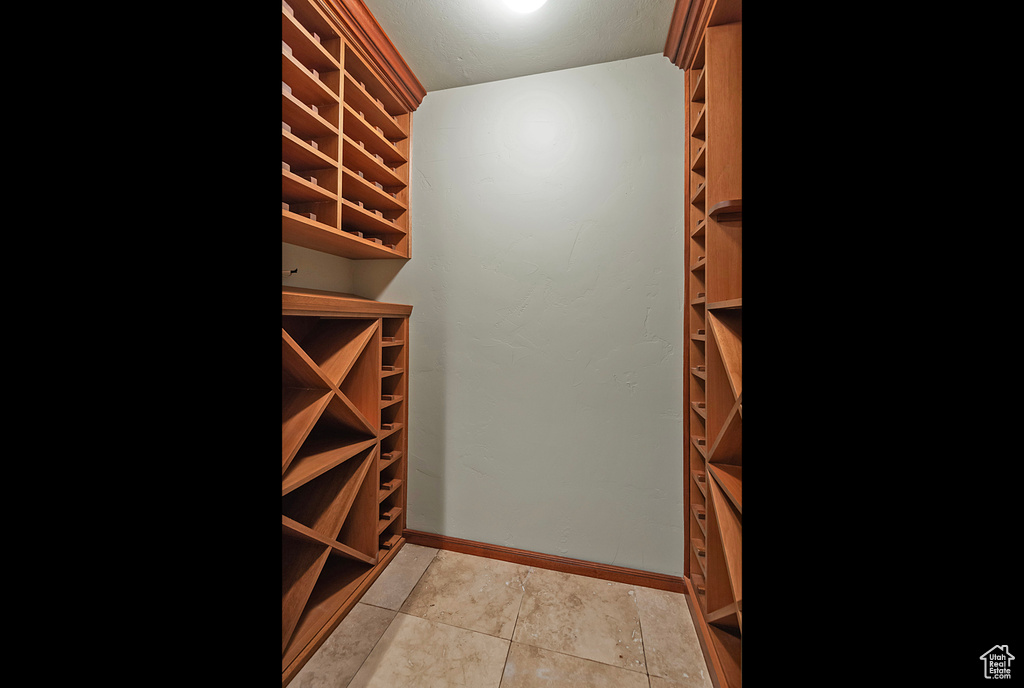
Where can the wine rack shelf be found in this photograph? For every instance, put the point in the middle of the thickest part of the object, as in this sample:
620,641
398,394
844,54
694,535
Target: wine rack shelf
345,139
343,468
714,335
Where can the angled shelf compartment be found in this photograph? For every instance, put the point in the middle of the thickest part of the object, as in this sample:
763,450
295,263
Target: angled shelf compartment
363,161
729,479
726,546
324,504
306,84
338,579
301,564
728,444
334,345
305,396
303,122
322,454
292,528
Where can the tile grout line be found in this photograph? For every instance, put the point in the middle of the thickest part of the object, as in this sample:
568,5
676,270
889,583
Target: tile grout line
422,573
446,623
508,653
397,612
530,570
584,659
643,645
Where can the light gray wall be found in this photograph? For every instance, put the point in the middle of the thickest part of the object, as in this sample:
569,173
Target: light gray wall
547,283
316,270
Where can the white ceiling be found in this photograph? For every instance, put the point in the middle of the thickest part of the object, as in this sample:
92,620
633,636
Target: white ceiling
449,43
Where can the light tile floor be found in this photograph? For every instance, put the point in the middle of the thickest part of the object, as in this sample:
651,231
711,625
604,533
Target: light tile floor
440,619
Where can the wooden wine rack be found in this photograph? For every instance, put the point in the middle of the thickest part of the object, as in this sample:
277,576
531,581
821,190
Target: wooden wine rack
346,123
708,46
344,366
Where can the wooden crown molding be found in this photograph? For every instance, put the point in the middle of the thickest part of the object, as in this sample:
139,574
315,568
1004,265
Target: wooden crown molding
361,26
683,30
689,19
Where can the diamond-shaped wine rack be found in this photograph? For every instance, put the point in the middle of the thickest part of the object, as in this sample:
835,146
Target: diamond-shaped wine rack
331,372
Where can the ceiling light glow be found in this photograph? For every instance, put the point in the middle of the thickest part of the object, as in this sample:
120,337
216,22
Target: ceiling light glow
524,6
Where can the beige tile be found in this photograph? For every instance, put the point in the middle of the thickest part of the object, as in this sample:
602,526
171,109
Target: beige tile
470,592
584,617
400,576
658,682
534,667
417,653
336,661
670,640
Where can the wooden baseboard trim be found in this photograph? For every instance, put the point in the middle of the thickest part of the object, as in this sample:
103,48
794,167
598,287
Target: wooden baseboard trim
619,574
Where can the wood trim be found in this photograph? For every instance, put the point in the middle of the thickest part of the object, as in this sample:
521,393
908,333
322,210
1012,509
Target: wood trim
685,28
723,210
689,20
304,301
687,332
358,22
679,21
703,635
619,574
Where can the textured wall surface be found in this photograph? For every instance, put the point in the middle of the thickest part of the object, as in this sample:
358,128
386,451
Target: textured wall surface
547,283
315,270
451,43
